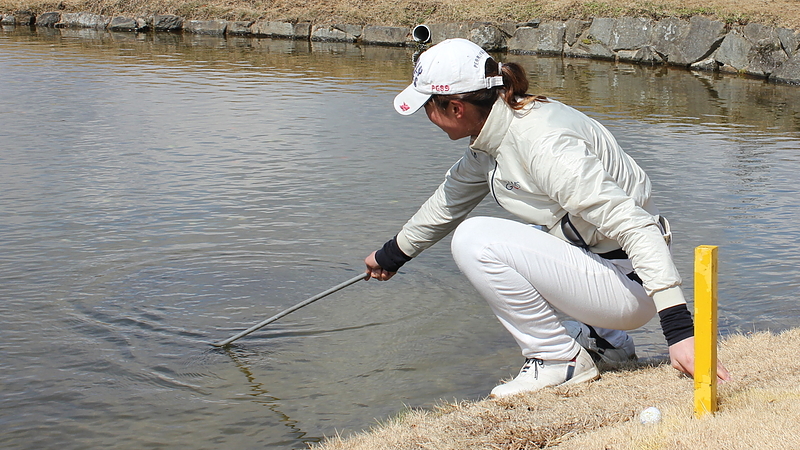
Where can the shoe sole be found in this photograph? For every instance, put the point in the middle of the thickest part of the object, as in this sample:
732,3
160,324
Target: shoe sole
585,377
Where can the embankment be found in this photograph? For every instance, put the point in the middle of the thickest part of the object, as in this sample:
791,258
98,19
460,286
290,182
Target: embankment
696,43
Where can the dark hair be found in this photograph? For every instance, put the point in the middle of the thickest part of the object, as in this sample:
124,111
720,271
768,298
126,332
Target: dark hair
514,90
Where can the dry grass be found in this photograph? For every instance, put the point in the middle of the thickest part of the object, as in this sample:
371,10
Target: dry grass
759,409
409,12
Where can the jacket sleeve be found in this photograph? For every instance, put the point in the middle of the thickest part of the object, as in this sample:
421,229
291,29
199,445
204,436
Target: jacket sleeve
563,166
463,189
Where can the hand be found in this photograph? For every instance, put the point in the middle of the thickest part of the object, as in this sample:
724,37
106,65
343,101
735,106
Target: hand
374,270
681,356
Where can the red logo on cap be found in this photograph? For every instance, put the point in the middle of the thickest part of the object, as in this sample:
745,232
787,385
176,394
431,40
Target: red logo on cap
440,87
405,107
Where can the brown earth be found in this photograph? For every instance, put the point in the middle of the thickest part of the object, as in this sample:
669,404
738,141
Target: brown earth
784,13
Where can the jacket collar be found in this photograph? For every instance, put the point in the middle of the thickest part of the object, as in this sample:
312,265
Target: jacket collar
494,129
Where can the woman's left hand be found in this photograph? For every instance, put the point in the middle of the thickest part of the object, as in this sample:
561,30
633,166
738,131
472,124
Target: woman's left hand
374,270
681,356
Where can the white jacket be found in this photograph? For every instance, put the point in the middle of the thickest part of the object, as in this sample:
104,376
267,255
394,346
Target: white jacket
544,162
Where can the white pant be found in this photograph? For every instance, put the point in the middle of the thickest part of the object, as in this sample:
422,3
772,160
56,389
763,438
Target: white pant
526,274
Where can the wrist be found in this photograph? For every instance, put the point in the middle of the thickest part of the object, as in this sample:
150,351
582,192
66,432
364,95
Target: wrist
676,323
390,257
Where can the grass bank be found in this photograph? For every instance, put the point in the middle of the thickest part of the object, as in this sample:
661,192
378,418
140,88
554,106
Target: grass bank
758,409
785,13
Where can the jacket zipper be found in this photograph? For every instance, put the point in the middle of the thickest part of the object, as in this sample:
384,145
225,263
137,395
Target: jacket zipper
491,184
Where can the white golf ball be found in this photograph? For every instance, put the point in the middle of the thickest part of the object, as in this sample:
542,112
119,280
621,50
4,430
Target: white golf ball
650,415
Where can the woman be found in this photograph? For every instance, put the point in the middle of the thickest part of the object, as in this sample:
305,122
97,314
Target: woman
591,243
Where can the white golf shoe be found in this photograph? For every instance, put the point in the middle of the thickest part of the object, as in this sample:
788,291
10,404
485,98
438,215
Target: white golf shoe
599,348
537,374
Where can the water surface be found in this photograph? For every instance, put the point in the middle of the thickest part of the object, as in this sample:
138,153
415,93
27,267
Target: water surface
163,191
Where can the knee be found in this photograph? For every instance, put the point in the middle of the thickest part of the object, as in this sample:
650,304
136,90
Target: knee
469,237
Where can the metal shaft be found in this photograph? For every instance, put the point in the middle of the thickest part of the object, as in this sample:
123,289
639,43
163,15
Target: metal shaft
290,310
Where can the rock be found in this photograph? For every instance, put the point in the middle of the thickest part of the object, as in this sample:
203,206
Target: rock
756,33
209,27
380,35
329,33
508,28
167,22
239,27
648,55
644,55
144,23
601,30
547,38
529,24
708,64
336,33
302,30
667,33
733,52
120,23
754,49
551,37
574,29
442,31
626,39
8,20
524,40
767,53
630,33
488,37
626,55
788,72
790,40
24,18
268,28
83,20
684,45
595,42
48,19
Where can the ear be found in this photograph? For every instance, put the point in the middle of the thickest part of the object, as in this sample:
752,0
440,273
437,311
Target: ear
456,108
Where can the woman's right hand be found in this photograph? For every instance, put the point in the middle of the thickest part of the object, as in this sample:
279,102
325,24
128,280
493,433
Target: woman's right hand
681,355
374,270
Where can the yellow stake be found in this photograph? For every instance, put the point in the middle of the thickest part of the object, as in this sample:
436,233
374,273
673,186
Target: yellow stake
705,330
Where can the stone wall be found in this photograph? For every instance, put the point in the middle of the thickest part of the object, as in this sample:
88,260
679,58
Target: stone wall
698,43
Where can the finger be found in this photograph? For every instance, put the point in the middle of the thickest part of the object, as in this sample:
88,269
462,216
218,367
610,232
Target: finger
722,373
682,367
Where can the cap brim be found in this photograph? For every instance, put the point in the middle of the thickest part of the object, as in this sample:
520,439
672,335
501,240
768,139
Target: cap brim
409,101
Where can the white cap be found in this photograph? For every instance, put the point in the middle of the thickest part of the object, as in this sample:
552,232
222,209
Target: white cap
454,66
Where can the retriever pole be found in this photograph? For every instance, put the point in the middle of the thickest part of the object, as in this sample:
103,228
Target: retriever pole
309,301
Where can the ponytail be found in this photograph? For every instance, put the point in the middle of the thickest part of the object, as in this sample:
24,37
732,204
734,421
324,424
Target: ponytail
515,84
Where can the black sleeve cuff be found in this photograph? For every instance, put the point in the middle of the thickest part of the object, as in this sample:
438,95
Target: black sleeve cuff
390,257
676,323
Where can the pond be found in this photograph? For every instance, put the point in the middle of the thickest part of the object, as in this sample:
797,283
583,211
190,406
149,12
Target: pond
160,192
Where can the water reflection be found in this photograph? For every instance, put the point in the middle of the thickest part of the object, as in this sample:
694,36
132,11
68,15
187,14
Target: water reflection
161,191
633,91
261,395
